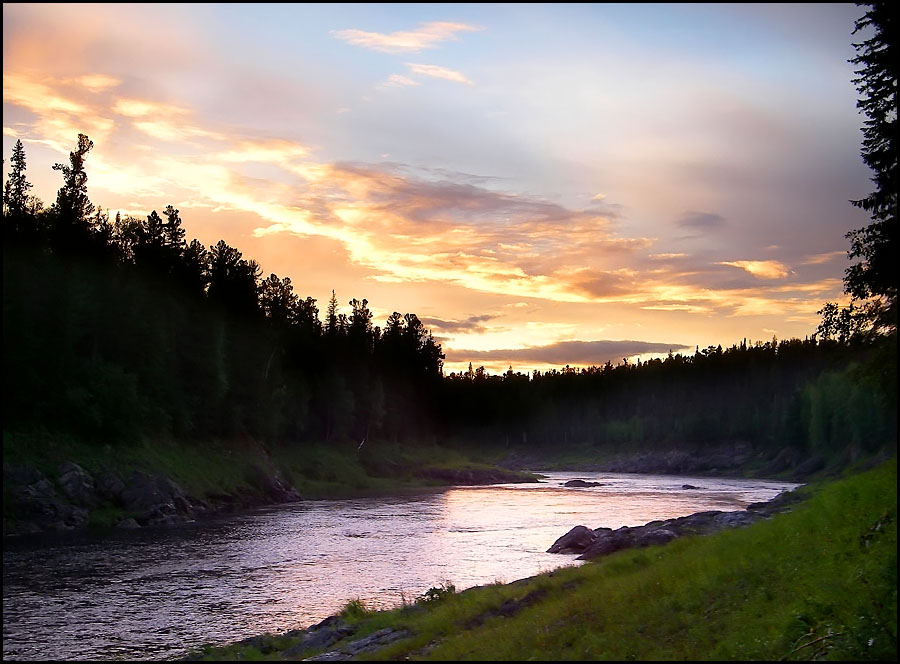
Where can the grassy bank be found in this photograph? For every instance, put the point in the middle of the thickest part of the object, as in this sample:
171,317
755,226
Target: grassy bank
819,582
234,472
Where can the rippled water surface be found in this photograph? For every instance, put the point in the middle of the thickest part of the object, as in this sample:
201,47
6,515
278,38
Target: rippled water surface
155,594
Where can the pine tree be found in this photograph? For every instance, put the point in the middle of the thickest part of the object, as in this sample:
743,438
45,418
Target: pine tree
72,201
331,324
15,192
875,276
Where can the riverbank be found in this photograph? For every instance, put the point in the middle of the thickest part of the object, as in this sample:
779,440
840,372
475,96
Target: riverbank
54,483
818,581
723,459
58,483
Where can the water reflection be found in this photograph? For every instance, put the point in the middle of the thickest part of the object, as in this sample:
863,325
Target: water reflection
154,594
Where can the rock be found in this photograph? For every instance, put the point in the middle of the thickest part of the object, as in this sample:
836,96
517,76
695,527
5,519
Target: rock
109,486
809,466
156,500
581,483
279,491
128,524
322,638
605,541
367,644
36,504
788,457
77,484
780,503
609,542
474,476
689,486
575,541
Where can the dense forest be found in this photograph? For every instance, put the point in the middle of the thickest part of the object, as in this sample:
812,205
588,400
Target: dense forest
119,330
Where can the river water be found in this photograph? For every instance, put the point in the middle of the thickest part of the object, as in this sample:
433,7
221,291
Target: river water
157,593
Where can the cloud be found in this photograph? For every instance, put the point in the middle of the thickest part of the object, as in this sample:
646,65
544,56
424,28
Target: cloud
427,35
98,82
468,325
585,353
762,269
819,259
435,71
399,81
395,223
139,108
701,220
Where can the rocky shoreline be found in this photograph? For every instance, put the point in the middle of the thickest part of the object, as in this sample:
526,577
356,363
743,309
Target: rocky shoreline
34,503
723,459
599,542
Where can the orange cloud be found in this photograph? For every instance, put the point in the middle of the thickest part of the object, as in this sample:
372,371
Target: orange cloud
395,226
762,269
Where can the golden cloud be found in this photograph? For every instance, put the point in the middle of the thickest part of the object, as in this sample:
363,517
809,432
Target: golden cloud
398,226
762,269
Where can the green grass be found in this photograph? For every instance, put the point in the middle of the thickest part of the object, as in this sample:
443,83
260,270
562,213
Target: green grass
216,470
819,582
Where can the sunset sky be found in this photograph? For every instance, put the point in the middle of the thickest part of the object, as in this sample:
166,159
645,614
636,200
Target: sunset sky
542,185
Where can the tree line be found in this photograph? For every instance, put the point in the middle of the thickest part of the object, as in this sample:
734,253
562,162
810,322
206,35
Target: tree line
121,328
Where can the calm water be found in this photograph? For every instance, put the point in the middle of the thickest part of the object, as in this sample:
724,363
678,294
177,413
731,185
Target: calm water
155,594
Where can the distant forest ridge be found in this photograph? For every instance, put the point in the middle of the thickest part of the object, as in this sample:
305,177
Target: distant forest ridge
120,329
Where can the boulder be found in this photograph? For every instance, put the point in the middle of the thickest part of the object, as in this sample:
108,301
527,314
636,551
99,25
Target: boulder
808,466
367,644
279,491
109,486
605,541
575,541
155,499
36,504
77,484
581,483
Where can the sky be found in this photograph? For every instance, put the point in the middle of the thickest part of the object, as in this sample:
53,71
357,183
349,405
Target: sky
541,184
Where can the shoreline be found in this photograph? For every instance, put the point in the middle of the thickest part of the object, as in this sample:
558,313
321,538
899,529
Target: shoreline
314,641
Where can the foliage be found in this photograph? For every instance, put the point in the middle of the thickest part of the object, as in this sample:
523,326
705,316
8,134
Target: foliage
354,609
438,593
872,280
145,335
15,192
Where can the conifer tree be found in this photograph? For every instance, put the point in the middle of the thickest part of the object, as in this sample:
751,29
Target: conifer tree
874,277
72,201
15,192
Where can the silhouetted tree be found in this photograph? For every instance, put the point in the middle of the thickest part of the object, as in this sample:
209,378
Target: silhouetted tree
331,322
875,276
233,280
277,300
72,200
15,192
173,233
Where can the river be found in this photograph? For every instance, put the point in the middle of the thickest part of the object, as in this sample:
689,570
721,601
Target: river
157,593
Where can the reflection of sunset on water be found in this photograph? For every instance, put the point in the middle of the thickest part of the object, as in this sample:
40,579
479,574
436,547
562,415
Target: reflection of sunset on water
162,591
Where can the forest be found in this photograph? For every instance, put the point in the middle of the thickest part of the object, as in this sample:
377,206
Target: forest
119,330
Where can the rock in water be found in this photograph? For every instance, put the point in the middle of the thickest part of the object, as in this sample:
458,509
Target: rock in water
575,541
581,483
